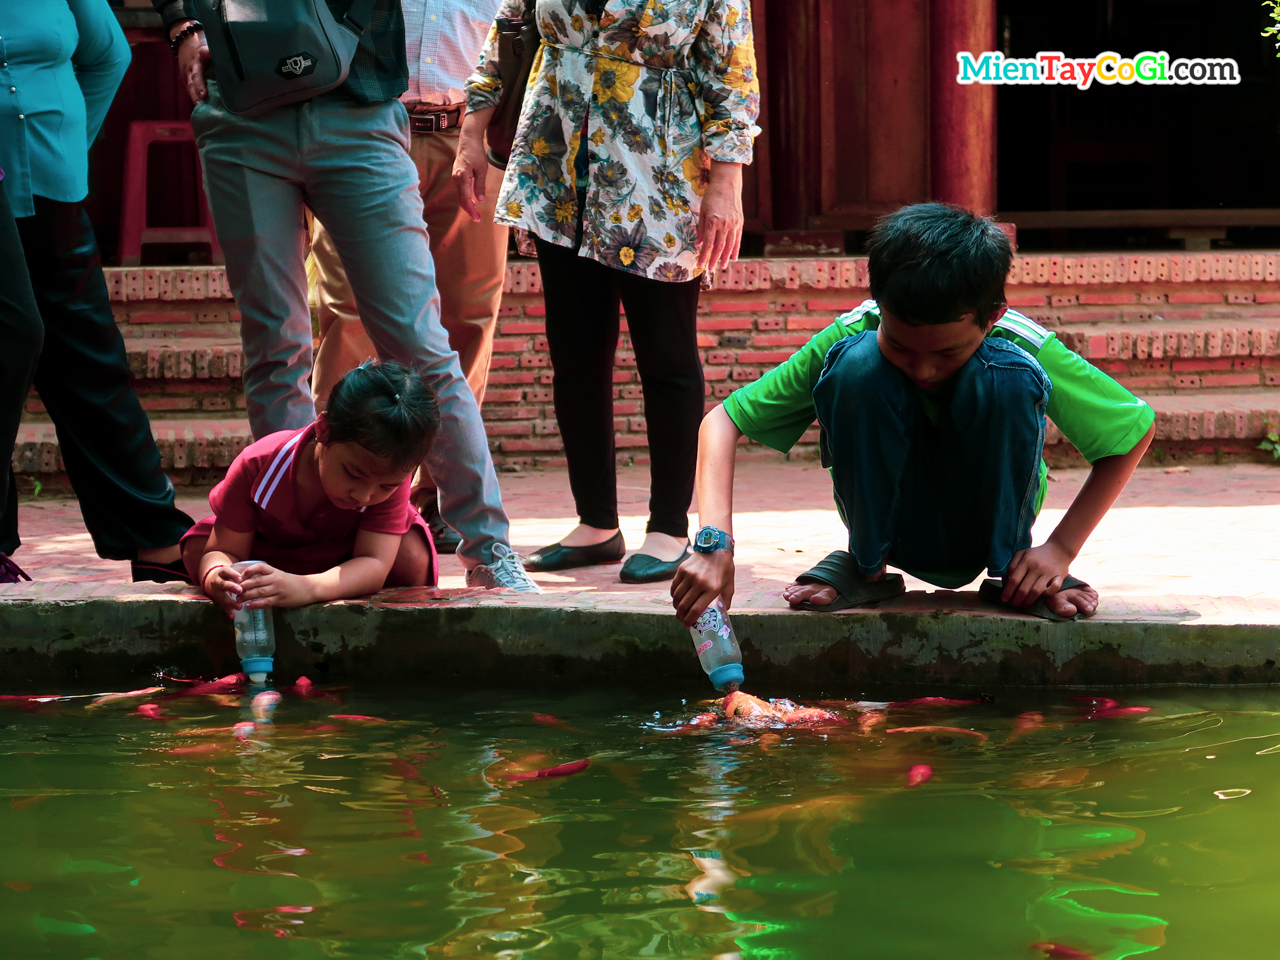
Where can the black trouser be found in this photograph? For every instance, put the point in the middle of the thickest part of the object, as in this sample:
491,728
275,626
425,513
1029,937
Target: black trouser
582,299
82,375
21,334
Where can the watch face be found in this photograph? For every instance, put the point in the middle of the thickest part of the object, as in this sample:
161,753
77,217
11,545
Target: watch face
707,538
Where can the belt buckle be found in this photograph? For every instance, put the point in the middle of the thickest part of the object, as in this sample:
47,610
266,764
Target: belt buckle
430,122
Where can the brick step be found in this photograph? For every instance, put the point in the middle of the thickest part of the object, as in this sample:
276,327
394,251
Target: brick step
1236,415
184,358
1167,339
183,444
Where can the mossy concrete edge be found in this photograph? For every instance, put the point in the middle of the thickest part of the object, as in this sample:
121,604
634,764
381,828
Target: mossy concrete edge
524,643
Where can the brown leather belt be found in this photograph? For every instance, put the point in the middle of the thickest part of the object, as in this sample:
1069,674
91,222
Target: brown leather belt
434,121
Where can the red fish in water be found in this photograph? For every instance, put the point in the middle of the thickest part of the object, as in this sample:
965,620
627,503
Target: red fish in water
742,706
1099,703
357,716
228,684
405,770
1114,713
1056,951
868,720
243,730
26,701
933,702
958,731
563,770
548,720
198,749
305,689
920,773
151,711
126,695
1025,723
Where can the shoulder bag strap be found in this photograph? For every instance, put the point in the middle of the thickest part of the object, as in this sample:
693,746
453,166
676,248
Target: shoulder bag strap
359,14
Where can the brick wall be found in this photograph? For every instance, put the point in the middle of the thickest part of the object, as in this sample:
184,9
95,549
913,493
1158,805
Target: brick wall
1196,334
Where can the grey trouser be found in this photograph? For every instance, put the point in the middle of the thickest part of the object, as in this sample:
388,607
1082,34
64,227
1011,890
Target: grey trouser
349,162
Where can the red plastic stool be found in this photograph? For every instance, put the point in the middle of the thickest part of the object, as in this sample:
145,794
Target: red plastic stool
134,231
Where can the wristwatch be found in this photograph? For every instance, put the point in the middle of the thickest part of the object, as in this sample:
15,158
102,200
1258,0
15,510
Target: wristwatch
711,539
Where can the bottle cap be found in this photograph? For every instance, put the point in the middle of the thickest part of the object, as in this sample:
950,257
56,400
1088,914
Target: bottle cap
725,674
257,667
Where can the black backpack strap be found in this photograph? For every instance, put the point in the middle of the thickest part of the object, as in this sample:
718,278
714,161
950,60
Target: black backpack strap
359,14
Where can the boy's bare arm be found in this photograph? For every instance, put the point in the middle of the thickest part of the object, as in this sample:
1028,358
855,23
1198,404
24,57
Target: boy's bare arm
705,576
1041,569
365,573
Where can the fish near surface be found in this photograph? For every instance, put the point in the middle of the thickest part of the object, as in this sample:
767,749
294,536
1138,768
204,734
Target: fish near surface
125,695
742,706
562,770
1057,951
947,731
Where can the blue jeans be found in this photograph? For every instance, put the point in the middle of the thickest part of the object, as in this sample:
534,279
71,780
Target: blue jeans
349,163
943,500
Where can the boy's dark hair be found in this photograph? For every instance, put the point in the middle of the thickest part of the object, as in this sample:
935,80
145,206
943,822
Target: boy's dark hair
388,409
934,262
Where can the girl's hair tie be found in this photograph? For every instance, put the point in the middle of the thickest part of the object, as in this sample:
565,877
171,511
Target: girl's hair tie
397,397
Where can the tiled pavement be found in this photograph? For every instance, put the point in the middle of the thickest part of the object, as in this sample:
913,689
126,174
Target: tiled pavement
1200,546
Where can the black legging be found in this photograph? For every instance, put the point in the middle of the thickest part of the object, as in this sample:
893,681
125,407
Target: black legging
582,298
82,375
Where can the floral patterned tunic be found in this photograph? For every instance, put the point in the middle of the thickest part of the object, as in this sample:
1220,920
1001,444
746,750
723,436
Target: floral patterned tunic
659,89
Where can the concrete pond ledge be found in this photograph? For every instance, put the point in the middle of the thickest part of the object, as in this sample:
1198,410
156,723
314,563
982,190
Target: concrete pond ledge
72,631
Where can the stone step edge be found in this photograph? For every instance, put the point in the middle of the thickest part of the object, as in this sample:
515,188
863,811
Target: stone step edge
127,284
214,443
575,639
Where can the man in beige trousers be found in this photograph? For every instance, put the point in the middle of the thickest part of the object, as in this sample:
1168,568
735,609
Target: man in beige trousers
443,39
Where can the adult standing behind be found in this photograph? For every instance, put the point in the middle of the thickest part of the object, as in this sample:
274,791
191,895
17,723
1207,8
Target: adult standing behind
345,155
442,42
627,170
60,65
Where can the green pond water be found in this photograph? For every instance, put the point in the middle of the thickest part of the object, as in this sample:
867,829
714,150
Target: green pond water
1149,834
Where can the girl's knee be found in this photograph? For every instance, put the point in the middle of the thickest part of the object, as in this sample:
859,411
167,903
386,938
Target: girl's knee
412,566
192,551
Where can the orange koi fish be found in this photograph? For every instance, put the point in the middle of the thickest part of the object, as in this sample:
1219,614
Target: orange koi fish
959,731
933,702
1025,723
742,706
357,716
1113,713
151,711
126,695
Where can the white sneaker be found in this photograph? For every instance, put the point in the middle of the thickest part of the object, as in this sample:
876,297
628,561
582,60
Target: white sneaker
507,570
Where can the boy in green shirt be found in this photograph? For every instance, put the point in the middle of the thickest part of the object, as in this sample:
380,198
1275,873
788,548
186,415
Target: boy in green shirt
932,400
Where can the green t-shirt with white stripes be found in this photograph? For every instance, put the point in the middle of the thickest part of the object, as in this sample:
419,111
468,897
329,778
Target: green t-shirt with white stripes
1095,413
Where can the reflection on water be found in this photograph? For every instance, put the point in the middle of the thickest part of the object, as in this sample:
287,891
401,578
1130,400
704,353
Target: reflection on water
398,827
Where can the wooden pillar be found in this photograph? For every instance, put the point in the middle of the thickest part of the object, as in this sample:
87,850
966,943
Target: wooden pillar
963,118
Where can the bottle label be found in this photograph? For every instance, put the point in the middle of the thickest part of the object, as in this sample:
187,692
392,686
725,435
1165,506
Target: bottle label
703,648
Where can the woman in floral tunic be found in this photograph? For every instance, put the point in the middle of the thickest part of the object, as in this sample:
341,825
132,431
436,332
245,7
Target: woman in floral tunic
627,171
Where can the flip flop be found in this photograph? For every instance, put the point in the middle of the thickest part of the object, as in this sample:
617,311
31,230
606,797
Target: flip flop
991,590
838,569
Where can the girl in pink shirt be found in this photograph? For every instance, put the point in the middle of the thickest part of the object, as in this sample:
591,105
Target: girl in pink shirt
325,508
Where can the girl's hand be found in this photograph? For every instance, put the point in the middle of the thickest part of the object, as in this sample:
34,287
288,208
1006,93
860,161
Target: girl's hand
265,586
222,585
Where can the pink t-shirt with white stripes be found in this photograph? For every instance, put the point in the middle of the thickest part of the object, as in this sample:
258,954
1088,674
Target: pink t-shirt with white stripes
260,494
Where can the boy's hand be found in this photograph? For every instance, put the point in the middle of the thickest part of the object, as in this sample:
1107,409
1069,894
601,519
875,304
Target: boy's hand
1039,572
265,586
222,584
698,581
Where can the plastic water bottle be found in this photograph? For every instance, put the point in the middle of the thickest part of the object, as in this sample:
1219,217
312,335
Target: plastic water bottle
717,648
255,637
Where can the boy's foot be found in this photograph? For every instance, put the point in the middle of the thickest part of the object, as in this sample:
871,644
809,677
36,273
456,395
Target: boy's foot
835,583
10,572
506,571
1069,601
1076,600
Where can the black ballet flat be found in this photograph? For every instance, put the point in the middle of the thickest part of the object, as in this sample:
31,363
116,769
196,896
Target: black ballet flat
559,557
642,568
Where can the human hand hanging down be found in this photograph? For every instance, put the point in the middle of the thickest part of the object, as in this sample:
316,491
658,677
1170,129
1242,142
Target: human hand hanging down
471,165
721,219
192,56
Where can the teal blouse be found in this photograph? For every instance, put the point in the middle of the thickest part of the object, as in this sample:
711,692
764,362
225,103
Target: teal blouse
60,64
